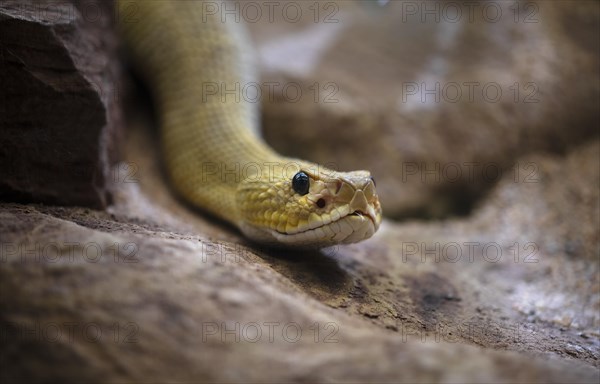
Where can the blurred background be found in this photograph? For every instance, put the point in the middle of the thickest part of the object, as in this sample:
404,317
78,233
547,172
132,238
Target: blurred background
438,99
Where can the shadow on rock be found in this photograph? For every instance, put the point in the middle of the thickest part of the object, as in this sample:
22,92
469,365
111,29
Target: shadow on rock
312,270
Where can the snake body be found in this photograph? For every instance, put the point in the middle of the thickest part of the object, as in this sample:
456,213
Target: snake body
215,158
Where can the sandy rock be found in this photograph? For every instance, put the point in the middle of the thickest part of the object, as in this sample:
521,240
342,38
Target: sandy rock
152,291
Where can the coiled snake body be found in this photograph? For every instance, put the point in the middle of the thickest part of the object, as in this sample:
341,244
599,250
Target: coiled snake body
215,158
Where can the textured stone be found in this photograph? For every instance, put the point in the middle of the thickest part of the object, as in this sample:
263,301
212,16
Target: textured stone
59,116
177,296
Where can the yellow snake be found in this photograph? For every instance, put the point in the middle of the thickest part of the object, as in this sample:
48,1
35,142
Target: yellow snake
215,158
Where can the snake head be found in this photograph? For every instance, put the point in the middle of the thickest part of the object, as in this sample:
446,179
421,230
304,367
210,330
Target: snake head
300,204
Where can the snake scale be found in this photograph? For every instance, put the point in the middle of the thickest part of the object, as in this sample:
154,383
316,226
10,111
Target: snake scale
215,158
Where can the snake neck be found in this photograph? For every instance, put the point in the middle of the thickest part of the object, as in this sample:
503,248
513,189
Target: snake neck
195,67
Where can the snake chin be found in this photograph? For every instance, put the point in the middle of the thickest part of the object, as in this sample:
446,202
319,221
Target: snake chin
351,228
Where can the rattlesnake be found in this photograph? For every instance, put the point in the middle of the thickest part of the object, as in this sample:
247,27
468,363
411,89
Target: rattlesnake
215,158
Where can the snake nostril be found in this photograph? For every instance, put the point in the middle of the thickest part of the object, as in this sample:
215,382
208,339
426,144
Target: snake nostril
321,203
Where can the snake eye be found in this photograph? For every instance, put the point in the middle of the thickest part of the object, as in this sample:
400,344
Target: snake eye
300,183
373,180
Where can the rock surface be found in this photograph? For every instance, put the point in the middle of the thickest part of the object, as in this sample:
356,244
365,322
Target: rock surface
150,291
59,115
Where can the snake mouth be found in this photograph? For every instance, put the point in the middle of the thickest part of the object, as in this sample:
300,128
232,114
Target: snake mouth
362,214
334,228
358,214
351,228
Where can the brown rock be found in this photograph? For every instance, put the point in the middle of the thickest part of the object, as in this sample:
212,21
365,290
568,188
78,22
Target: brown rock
150,291
58,117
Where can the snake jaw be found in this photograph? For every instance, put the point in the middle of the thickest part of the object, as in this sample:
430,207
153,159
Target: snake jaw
339,208
349,229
